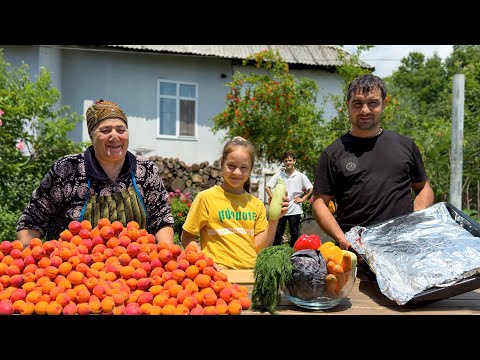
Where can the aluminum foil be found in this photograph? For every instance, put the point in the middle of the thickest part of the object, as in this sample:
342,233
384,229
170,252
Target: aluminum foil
424,249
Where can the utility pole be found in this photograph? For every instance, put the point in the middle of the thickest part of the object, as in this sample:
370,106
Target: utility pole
456,153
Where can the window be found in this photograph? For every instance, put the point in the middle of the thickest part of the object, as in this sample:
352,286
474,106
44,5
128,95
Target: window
177,109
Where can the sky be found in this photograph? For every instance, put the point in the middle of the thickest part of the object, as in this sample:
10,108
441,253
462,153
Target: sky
386,58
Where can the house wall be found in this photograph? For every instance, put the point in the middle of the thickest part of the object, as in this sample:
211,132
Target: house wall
16,54
130,79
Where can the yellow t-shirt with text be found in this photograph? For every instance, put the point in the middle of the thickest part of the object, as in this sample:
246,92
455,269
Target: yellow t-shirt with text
227,224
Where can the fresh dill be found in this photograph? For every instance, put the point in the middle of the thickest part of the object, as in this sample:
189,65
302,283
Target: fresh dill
273,269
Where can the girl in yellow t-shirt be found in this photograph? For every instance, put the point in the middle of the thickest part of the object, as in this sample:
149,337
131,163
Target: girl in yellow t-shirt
232,223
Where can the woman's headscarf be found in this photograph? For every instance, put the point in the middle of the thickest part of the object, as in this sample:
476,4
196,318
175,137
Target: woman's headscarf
102,110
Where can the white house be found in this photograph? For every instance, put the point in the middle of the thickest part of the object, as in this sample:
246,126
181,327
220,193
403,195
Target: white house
170,93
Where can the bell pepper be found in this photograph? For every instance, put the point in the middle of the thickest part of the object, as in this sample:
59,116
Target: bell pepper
305,241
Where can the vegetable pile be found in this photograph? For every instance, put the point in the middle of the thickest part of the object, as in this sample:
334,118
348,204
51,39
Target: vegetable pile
309,271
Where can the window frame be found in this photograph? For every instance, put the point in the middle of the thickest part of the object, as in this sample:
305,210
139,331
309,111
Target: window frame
177,99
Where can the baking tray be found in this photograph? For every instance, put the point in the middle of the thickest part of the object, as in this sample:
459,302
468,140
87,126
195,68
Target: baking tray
439,293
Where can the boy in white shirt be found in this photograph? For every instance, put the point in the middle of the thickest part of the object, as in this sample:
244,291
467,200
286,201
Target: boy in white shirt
296,184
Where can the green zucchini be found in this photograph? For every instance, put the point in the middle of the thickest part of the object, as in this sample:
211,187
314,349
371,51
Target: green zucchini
275,207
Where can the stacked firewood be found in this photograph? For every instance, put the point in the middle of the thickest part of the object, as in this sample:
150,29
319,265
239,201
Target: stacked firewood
176,174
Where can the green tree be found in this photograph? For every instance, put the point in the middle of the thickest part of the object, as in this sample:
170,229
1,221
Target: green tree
466,59
33,134
423,86
274,110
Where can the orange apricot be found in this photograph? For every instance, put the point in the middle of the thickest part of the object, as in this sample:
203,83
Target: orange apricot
202,280
174,290
75,277
132,283
191,287
63,299
83,308
65,284
222,307
35,242
175,249
65,253
192,246
51,272
82,295
70,309
234,307
209,299
169,309
17,244
226,294
133,225
27,308
86,225
192,256
64,268
133,233
107,232
220,276
245,302
154,310
54,308
209,270
160,300
171,265
41,307
117,226
107,304
165,255
201,264
103,222
38,252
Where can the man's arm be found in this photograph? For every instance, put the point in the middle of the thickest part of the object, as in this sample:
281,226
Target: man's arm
326,221
424,195
268,191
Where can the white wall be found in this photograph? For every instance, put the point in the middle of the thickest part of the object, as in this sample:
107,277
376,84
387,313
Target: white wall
130,79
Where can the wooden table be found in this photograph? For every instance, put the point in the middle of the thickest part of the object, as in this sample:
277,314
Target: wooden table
367,299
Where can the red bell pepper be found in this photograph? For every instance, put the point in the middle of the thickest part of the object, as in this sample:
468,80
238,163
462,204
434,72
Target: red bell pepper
305,241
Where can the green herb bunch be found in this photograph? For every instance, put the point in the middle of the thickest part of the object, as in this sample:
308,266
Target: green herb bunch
273,269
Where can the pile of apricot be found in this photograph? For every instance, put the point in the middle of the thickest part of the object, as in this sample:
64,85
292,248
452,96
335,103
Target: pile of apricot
112,269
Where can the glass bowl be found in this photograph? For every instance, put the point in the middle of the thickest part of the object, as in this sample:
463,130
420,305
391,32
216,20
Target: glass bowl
321,298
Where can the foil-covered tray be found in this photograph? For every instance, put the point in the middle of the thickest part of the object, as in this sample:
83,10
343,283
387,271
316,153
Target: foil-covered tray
433,294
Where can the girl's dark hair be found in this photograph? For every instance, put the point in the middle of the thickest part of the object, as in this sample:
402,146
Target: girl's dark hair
365,84
232,145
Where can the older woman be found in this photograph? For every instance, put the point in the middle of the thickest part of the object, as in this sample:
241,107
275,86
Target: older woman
106,181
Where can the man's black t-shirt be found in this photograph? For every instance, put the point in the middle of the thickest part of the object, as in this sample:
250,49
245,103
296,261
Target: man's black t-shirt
369,177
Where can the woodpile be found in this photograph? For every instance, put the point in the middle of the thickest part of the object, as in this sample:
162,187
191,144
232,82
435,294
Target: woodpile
193,178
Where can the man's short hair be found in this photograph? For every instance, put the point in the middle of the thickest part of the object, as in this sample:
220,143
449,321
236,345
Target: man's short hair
288,154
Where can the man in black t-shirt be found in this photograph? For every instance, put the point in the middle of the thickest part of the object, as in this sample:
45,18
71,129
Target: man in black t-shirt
369,171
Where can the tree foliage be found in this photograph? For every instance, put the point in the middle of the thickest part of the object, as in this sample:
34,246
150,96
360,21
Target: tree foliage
274,110
424,89
33,134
